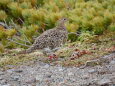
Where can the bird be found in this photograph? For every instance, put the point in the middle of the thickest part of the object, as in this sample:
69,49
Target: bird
52,38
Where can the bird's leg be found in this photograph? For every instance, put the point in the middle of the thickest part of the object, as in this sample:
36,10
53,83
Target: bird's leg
50,53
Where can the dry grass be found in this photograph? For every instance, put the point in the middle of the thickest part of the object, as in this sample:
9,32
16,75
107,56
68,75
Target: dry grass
97,46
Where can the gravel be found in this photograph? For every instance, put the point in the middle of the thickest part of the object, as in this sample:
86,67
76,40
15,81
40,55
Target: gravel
42,74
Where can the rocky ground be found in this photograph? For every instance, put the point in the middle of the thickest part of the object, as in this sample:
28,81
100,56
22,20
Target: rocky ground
36,73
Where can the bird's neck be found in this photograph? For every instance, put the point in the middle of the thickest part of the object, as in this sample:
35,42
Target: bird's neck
61,27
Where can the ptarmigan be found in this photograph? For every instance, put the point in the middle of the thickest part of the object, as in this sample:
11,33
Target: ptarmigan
52,38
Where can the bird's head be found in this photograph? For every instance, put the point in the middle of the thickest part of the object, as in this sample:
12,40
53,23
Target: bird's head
63,20
61,23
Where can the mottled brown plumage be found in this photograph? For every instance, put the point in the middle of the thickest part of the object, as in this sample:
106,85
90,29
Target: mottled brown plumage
52,38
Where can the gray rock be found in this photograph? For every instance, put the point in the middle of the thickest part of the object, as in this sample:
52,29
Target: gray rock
10,71
70,74
1,73
3,82
15,70
92,71
18,70
15,78
10,66
112,62
48,75
6,85
46,66
103,70
86,76
104,82
113,79
60,69
107,58
1,78
32,80
4,25
93,63
39,77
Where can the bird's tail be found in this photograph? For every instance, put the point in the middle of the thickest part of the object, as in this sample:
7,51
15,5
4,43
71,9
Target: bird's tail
31,49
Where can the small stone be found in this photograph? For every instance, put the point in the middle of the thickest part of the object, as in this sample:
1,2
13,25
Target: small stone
60,69
92,71
104,82
39,77
103,70
10,66
33,80
18,71
1,78
15,78
48,76
93,62
61,83
70,74
113,80
3,82
10,70
6,85
86,76
104,60
14,70
112,62
107,58
46,66
1,73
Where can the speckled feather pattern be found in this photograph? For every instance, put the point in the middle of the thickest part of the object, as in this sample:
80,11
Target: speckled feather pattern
50,39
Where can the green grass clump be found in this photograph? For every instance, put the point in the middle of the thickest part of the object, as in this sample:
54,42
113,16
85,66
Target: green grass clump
29,31
112,27
15,10
3,15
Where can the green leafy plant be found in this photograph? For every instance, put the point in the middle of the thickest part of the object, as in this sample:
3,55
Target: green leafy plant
85,36
112,27
3,15
15,9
